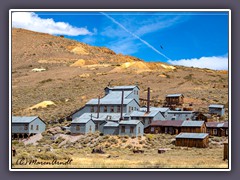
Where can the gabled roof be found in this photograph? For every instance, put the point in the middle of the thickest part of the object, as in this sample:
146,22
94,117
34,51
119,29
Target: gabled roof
130,122
111,124
173,123
216,106
25,119
192,135
174,95
80,120
192,123
217,124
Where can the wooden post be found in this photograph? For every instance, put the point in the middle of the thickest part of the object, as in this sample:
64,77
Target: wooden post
225,151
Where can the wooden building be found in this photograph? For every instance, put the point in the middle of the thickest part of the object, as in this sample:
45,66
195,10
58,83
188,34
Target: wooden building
203,117
193,127
23,127
217,128
173,100
199,140
166,126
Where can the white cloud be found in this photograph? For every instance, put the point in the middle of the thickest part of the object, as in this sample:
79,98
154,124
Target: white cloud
31,21
214,62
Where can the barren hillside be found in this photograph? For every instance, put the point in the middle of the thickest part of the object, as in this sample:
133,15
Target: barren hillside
68,73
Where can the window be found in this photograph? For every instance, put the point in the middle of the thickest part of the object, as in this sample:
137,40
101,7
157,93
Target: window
152,129
214,131
105,109
25,127
149,121
31,127
122,129
129,108
226,131
208,131
131,129
37,127
118,108
112,109
139,130
137,92
92,108
96,126
78,128
132,108
90,128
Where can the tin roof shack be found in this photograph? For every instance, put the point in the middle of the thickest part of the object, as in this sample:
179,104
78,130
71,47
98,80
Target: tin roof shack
111,128
199,140
131,128
174,100
111,103
217,128
180,115
23,127
193,126
166,126
82,126
216,109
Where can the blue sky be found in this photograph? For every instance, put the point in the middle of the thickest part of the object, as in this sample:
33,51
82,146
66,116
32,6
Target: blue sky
197,39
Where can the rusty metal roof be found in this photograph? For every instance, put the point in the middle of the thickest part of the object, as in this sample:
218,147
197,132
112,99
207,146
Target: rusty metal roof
217,124
173,123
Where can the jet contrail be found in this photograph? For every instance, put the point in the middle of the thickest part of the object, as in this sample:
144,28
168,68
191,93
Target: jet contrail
134,35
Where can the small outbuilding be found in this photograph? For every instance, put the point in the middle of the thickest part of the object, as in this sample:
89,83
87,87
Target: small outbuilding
25,126
131,128
174,100
217,109
111,128
199,140
82,126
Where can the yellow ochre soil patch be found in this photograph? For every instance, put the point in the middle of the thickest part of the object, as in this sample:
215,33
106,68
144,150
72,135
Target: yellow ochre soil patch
43,104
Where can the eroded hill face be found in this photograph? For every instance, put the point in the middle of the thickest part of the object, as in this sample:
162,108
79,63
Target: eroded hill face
69,73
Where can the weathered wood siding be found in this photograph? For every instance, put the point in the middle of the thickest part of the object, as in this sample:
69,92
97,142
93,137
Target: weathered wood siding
199,143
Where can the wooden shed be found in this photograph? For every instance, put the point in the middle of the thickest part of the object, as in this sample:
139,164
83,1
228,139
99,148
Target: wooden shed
217,128
82,126
217,109
174,100
25,126
111,128
166,126
193,127
199,140
131,128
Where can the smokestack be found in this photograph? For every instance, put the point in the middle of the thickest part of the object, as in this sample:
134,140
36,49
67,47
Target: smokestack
148,100
98,108
121,116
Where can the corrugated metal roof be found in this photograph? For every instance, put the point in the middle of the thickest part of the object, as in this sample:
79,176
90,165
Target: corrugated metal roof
108,101
192,123
111,124
161,109
80,120
217,124
129,122
192,135
180,112
123,87
144,114
216,106
102,116
173,123
174,95
23,119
